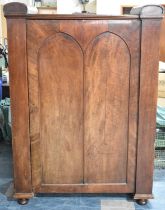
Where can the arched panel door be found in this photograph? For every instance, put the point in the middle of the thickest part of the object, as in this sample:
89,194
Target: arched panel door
107,73
83,108
60,67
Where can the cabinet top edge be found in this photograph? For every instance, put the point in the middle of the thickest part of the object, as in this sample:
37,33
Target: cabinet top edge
20,10
71,17
77,17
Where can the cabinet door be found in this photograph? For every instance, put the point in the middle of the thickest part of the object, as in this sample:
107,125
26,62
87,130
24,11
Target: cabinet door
107,76
56,105
83,92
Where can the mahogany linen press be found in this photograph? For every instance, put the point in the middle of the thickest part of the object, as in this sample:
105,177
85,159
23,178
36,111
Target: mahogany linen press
83,99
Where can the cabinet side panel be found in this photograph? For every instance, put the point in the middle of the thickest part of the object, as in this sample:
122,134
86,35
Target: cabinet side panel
147,105
19,104
60,66
107,72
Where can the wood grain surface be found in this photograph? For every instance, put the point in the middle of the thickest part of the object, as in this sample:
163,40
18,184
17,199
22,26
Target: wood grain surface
79,130
60,69
147,106
106,109
19,105
83,100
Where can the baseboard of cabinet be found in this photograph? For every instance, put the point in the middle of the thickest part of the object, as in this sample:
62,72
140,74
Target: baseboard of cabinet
23,195
143,196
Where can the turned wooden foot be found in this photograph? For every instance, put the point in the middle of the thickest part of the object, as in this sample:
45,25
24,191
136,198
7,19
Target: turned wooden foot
23,201
142,201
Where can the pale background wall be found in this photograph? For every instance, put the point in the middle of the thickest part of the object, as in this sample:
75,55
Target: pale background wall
103,6
71,6
114,7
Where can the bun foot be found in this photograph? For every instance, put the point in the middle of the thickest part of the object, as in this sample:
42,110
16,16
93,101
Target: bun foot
23,201
142,201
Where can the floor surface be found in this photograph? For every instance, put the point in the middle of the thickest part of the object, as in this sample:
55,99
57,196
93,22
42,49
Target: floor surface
73,202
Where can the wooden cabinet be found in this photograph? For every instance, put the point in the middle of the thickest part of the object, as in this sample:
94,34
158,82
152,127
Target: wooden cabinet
83,96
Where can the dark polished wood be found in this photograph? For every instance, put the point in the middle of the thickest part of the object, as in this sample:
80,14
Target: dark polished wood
19,104
147,105
15,8
86,118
